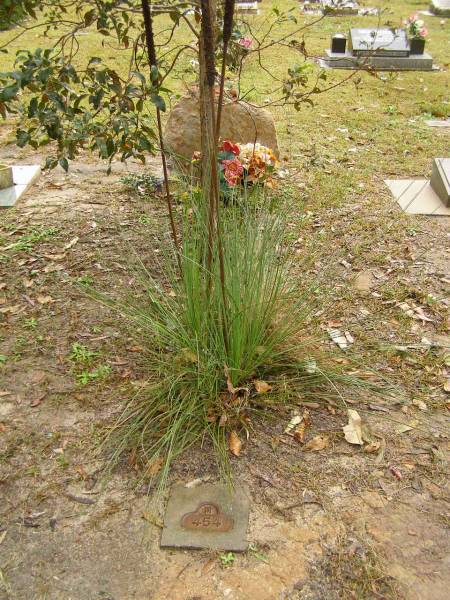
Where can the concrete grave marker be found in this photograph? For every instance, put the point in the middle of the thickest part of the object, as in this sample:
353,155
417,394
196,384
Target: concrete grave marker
23,178
424,197
6,177
340,8
336,8
207,516
440,179
441,8
438,122
250,8
379,50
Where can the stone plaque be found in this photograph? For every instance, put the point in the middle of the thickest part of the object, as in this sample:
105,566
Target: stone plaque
379,42
207,516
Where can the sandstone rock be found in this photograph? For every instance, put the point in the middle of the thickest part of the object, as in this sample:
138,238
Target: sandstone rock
241,123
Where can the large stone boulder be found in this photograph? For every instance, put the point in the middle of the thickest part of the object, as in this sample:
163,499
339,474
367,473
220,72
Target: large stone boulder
241,123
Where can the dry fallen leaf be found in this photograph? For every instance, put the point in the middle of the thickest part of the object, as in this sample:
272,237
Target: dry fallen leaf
300,430
355,431
37,400
262,387
71,244
372,447
320,442
154,467
404,427
135,349
234,390
447,386
235,443
416,312
396,472
209,565
296,420
44,299
54,256
420,404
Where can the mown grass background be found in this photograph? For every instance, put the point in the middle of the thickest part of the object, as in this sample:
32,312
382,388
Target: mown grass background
387,116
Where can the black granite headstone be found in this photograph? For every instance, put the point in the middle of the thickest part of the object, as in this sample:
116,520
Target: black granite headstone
338,43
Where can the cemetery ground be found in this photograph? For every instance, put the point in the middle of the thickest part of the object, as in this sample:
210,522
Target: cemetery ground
334,522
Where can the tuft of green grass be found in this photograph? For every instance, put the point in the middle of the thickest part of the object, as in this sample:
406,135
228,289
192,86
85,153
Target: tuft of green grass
85,280
227,559
30,323
27,241
99,373
206,345
81,354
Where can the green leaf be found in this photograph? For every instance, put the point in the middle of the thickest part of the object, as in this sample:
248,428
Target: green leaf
64,164
158,101
89,17
50,162
9,92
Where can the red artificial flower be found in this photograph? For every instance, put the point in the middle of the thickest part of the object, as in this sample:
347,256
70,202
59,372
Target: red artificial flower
228,146
233,171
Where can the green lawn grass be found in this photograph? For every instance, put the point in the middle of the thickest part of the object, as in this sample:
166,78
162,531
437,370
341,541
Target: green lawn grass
384,116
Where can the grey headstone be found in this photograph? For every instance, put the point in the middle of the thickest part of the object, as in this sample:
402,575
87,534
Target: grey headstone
440,7
379,42
440,179
207,516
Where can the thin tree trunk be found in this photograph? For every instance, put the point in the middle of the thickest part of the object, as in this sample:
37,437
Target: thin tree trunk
204,103
210,178
148,23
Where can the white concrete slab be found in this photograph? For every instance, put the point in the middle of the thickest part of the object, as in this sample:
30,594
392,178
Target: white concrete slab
24,176
438,122
417,197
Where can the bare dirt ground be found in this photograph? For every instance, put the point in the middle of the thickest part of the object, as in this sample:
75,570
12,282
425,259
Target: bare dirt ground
335,524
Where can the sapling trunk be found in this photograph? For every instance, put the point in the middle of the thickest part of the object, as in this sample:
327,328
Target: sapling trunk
228,18
208,47
151,51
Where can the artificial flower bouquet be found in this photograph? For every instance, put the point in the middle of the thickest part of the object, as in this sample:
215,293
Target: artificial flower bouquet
416,27
246,164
